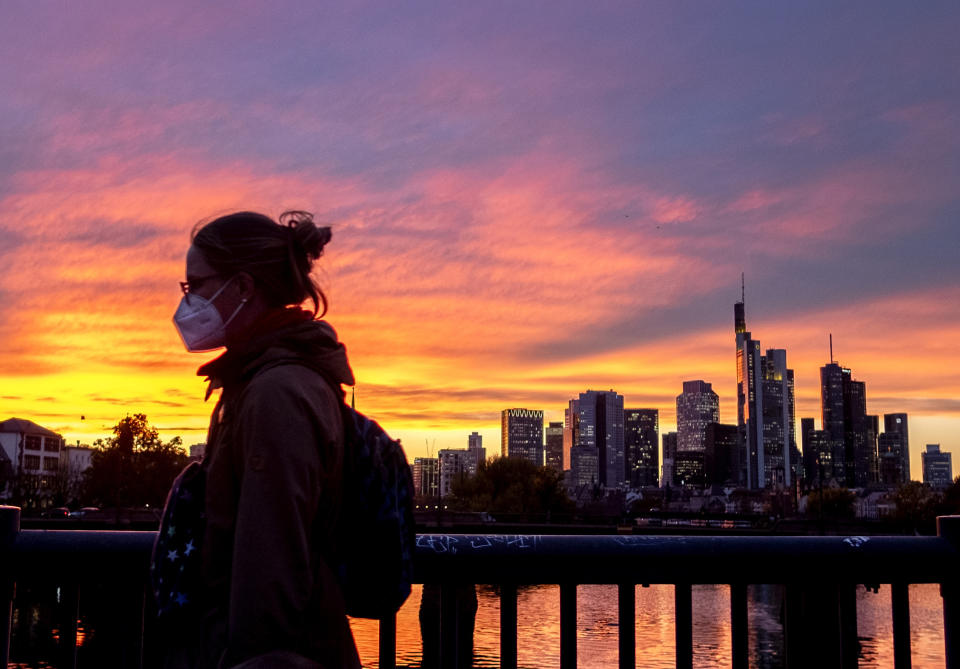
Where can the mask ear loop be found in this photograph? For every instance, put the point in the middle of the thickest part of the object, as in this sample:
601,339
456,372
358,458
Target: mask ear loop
243,302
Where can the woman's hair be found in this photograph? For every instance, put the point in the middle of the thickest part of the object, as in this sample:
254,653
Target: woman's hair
279,256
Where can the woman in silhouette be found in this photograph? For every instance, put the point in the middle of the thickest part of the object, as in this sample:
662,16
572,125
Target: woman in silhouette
275,449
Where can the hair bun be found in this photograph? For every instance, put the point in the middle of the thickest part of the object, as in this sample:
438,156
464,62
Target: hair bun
305,233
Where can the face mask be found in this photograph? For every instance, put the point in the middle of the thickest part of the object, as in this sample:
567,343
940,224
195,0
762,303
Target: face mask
199,323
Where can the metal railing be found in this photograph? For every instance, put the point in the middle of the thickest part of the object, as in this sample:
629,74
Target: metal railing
820,575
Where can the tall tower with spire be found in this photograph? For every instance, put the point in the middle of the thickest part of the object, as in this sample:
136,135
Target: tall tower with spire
765,409
749,399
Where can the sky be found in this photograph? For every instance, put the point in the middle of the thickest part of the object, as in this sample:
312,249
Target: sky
527,200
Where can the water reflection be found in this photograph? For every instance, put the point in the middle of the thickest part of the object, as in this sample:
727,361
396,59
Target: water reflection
37,620
538,635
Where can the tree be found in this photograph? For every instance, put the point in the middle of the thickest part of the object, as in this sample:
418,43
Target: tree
836,503
134,467
916,506
512,485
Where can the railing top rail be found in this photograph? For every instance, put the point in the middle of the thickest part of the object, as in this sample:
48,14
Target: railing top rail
523,558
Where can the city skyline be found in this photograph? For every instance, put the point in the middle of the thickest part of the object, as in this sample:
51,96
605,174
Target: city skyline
526,202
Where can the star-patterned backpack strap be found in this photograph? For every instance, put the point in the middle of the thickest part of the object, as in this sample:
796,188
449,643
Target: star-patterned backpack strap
175,566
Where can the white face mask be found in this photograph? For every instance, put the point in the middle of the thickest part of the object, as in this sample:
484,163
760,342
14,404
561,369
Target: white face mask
199,323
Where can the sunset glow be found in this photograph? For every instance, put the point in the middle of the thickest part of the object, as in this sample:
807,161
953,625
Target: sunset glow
526,202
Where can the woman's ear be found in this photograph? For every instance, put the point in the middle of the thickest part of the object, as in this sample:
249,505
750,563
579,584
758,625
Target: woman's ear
246,286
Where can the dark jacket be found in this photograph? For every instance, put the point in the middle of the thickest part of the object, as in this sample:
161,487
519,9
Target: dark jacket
274,464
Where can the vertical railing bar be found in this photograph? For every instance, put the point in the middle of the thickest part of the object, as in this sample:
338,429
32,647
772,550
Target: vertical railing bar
739,632
387,637
849,642
9,530
627,611
448,625
68,614
134,636
683,617
948,528
568,626
508,626
900,603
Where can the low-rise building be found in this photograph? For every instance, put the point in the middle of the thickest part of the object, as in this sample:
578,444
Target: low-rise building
28,448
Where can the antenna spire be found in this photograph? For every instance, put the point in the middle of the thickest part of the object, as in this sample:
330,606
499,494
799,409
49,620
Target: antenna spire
831,348
743,289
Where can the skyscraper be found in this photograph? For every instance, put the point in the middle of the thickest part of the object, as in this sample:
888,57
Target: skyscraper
601,427
721,455
521,434
641,430
765,411
554,446
817,454
697,407
779,437
937,467
749,401
843,404
571,431
896,423
668,473
890,459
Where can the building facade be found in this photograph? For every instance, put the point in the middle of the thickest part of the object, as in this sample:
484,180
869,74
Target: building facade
426,477
767,445
571,431
896,423
697,407
601,428
721,457
937,467
668,471
521,434
453,467
553,446
852,432
641,436
28,448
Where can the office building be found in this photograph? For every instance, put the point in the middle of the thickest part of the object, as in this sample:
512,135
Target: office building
767,443
668,471
453,467
721,456
584,466
896,423
521,434
600,427
937,467
474,441
890,459
780,459
817,455
697,407
641,437
553,447
844,417
571,431
426,479
476,453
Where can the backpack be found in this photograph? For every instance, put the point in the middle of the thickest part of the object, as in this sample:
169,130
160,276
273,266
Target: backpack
175,564
375,535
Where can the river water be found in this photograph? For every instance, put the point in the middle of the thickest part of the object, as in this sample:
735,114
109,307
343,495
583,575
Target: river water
538,613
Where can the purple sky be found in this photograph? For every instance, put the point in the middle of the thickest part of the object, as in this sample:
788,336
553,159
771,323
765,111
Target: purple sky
517,187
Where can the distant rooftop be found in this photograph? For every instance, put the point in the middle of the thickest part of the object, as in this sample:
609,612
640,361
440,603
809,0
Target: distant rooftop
24,426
